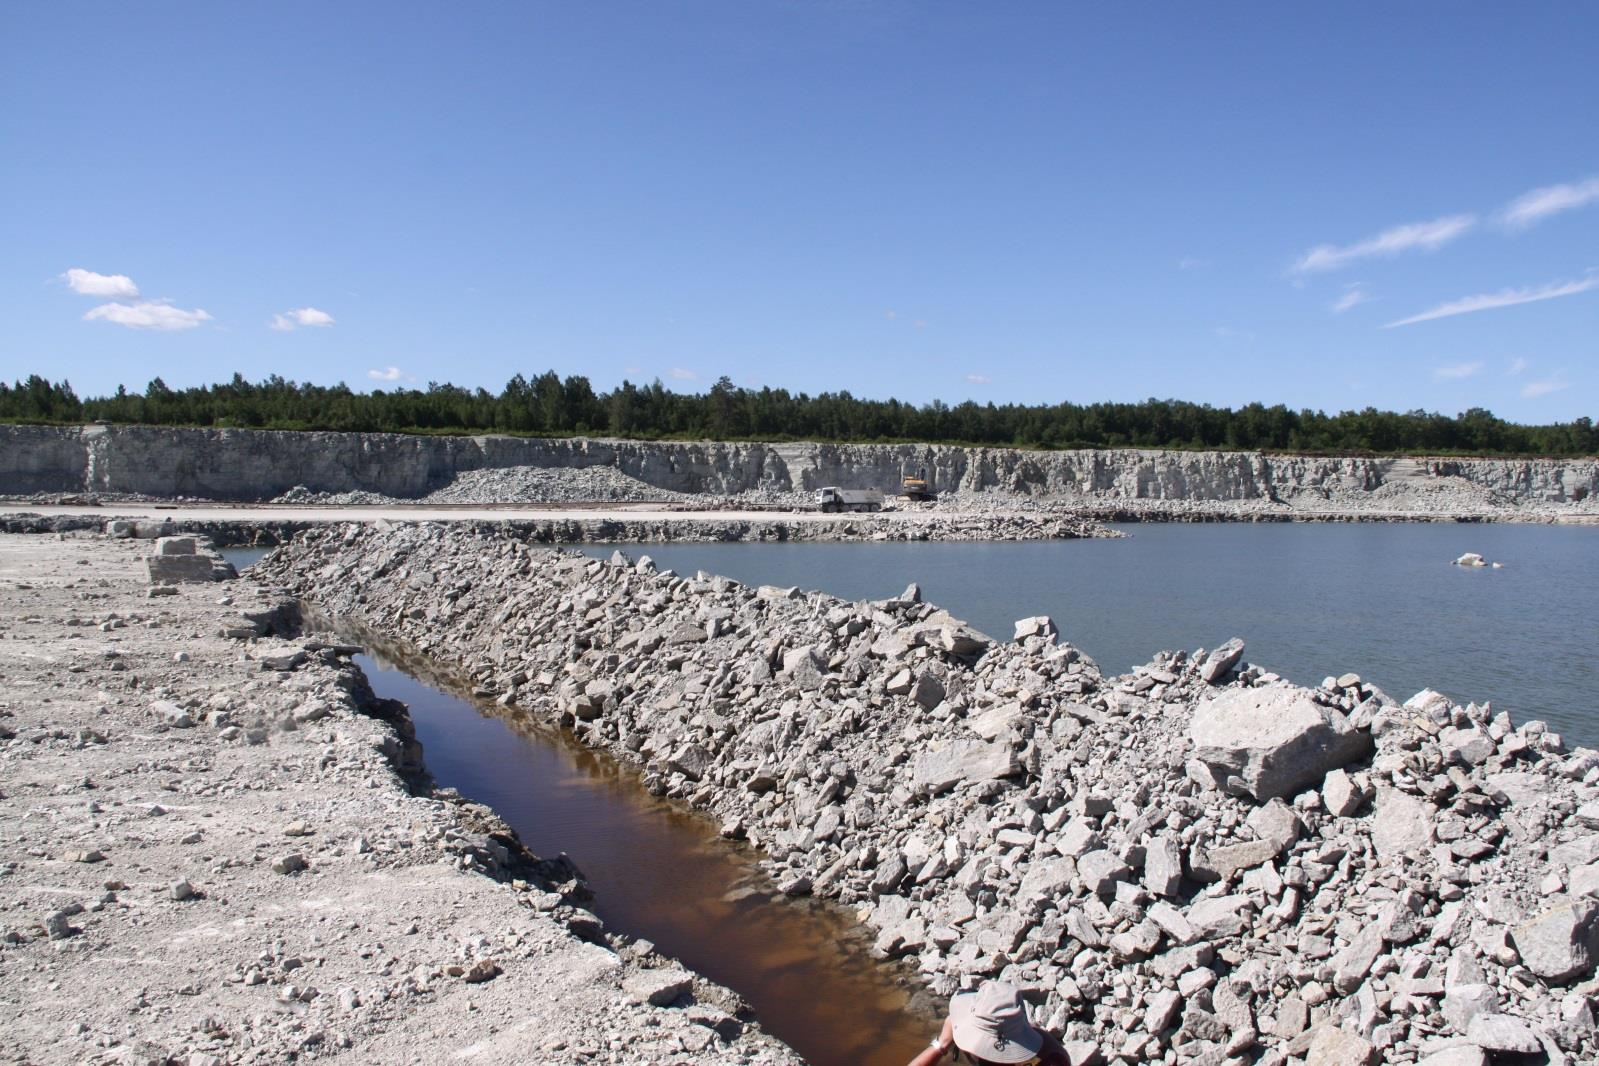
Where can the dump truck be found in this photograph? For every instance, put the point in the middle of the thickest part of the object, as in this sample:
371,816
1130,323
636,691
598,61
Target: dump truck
833,499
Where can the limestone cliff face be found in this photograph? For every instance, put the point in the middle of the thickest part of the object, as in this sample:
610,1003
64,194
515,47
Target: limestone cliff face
232,464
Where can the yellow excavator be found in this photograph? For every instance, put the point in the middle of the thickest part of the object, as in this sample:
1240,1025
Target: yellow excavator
917,487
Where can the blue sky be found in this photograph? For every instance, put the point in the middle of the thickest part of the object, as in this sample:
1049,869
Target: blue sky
1369,204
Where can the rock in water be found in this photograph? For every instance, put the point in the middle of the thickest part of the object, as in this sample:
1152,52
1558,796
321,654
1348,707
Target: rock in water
1274,739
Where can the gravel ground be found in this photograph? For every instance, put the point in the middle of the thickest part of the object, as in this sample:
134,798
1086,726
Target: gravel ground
211,852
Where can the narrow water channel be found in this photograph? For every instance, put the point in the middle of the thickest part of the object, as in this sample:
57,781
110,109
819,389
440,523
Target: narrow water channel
661,873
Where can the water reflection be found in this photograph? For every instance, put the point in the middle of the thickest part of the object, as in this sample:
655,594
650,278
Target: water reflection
661,873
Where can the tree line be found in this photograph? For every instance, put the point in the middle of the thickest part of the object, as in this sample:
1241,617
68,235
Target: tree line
550,405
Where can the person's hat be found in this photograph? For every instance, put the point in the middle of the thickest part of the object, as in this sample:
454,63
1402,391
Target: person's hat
992,1024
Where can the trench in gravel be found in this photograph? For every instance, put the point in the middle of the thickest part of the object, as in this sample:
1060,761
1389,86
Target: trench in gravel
662,873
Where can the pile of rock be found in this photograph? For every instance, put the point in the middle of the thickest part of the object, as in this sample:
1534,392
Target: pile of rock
509,485
1193,862
304,497
539,484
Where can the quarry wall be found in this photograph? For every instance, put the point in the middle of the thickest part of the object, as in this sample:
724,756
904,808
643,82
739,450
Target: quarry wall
238,464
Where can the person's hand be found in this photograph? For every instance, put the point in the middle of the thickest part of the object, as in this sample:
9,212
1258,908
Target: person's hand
946,1036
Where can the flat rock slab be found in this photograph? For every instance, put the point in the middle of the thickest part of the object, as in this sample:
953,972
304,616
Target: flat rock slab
959,761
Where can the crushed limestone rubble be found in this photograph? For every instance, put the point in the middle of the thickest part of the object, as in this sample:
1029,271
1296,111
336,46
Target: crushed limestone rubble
1194,862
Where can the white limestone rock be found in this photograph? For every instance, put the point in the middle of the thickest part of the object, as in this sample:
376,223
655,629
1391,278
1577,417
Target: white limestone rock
1273,740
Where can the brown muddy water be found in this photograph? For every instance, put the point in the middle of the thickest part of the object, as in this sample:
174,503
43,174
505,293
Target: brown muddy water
662,873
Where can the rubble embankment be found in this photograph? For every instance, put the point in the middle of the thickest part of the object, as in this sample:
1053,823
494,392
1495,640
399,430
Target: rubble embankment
1193,862
217,848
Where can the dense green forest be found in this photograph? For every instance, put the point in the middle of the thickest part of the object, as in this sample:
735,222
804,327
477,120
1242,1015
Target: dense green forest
551,406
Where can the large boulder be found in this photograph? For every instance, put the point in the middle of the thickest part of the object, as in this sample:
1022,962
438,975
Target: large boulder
1561,943
1275,740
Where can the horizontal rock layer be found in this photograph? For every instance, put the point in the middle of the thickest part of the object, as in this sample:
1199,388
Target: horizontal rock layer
230,464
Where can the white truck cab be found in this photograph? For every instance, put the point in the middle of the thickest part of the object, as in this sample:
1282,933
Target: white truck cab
833,499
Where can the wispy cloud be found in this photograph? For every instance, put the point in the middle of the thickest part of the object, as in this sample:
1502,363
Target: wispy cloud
1354,295
1191,262
677,373
1228,333
1456,371
1533,207
1534,389
88,283
979,379
389,373
891,314
1413,236
148,314
304,316
1517,365
1489,301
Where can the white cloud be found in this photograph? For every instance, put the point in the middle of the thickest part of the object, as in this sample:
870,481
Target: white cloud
1517,365
148,314
1354,295
1191,262
1456,371
1228,333
979,379
677,373
1534,389
1489,301
389,373
88,283
1426,236
890,314
1533,207
304,316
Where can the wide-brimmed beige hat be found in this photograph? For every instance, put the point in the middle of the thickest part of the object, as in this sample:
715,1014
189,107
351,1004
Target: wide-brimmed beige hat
992,1024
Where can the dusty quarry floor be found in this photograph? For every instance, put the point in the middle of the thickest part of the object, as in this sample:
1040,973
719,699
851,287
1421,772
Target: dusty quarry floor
207,856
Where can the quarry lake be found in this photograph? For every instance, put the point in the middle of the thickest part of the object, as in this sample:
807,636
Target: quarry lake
1379,599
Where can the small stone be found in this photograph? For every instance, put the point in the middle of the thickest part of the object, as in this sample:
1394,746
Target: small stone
481,971
658,988
289,864
181,891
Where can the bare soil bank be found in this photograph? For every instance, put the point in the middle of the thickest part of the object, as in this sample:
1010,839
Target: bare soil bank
212,853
